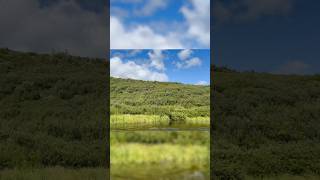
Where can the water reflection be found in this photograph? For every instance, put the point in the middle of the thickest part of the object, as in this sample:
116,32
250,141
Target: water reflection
160,155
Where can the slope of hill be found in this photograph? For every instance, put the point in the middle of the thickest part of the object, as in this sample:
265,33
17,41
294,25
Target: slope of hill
53,113
52,110
265,125
146,103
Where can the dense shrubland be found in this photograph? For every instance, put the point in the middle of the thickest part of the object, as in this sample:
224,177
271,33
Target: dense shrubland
265,125
52,110
181,104
143,97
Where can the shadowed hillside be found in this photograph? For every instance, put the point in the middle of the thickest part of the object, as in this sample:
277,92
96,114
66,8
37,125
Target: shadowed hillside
53,110
265,125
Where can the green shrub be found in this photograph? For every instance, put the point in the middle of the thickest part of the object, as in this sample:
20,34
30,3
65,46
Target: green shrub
176,118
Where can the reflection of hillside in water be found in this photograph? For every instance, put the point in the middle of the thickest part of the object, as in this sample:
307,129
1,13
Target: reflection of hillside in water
160,155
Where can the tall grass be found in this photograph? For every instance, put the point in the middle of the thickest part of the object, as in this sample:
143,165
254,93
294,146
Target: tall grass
180,155
198,121
137,121
159,161
140,121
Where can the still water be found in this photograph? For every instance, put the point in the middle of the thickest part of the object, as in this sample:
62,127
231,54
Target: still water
160,155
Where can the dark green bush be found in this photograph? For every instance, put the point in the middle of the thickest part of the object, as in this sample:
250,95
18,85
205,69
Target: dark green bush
176,118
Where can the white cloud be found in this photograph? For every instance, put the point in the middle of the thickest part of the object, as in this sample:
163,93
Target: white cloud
198,20
192,32
63,25
202,83
131,70
156,58
186,61
293,67
119,12
184,54
179,65
193,62
140,37
134,52
151,6
249,10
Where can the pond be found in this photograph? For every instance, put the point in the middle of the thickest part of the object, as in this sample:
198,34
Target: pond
160,155
157,122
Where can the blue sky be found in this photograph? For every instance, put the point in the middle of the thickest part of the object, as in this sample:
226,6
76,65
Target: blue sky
184,66
165,11
268,36
160,24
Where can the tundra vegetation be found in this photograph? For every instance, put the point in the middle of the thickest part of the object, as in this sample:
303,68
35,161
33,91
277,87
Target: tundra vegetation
137,104
265,125
140,105
53,110
52,116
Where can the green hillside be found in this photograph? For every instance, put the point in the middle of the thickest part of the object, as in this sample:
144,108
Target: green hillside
142,104
265,125
52,110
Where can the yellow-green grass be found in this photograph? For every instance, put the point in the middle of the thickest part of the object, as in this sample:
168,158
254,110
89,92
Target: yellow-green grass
125,121
54,173
198,121
158,161
158,172
140,121
134,153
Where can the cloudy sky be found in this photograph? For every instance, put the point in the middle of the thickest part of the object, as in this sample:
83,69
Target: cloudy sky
78,26
184,66
160,24
278,36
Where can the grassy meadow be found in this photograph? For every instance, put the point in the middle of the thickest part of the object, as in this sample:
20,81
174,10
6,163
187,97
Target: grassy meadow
141,105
